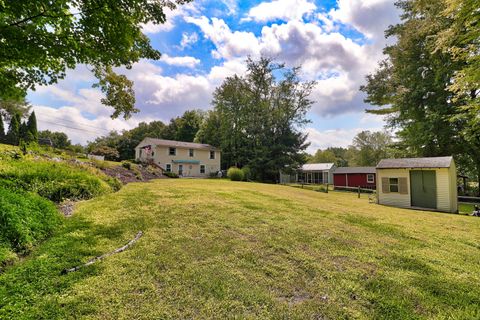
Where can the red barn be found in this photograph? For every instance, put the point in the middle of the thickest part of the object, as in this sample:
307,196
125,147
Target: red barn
363,177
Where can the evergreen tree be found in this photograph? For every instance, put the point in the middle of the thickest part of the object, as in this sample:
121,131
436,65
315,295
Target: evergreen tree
23,131
2,130
32,132
13,134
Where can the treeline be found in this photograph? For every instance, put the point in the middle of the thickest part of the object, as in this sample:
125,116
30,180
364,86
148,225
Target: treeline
366,150
19,131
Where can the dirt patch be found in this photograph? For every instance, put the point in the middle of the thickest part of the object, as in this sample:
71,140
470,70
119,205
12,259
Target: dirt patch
140,173
66,208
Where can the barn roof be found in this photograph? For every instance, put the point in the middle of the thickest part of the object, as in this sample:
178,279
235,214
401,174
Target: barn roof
317,166
433,162
344,170
179,144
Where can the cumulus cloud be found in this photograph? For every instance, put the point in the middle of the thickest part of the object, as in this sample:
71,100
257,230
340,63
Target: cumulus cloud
370,17
189,62
280,9
334,137
188,39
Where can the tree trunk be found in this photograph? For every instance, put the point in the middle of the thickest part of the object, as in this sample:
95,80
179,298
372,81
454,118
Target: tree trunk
478,178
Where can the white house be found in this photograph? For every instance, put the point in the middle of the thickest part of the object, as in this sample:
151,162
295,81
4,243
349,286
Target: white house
187,159
423,183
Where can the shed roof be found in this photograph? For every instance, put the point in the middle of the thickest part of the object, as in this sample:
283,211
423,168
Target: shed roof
433,162
317,166
344,170
179,144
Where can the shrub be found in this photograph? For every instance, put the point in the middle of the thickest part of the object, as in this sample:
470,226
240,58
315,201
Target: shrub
235,174
108,152
127,165
25,219
246,173
171,174
56,181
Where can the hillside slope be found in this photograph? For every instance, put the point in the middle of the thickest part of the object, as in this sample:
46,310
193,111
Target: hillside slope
219,249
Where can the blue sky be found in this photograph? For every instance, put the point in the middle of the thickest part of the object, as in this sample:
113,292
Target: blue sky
337,43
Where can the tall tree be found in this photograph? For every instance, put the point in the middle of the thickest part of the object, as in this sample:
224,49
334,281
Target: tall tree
323,156
261,116
32,132
428,85
41,39
13,134
208,131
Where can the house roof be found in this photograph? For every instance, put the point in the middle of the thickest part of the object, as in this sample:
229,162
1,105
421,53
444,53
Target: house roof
317,166
179,144
433,162
344,170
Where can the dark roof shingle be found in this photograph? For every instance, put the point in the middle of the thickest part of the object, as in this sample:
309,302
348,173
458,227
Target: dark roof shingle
344,170
433,162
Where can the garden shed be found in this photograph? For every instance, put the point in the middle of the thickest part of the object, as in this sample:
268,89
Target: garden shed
354,177
420,183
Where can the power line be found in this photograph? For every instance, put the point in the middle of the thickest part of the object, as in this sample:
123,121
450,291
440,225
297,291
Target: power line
77,123
70,127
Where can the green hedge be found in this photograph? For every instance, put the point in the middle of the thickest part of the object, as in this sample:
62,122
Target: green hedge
57,181
235,174
25,219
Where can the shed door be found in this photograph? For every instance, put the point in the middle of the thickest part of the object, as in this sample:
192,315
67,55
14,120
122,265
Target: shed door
423,187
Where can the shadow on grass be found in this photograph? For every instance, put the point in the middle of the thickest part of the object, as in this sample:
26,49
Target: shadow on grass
31,288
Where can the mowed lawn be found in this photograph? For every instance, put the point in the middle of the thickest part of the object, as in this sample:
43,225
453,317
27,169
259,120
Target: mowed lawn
221,249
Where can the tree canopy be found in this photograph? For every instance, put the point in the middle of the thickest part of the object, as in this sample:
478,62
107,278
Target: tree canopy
258,118
41,39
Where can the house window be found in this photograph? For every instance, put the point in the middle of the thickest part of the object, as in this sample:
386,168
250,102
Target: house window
168,167
202,168
191,153
393,184
370,178
172,151
153,153
212,154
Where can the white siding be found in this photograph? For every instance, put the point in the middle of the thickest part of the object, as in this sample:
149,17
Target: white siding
443,189
394,199
453,188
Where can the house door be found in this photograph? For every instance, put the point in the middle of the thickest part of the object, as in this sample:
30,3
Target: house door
423,188
180,169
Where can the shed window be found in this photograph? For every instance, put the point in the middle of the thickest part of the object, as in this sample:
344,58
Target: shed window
191,152
172,151
168,167
370,178
212,154
202,168
393,184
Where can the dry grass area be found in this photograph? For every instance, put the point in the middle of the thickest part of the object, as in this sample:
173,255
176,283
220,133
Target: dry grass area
221,249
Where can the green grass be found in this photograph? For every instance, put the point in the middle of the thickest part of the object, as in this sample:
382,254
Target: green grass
221,249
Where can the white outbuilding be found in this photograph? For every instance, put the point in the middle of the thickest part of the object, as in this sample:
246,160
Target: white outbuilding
419,183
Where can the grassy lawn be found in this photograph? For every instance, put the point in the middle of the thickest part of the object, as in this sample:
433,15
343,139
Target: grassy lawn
221,249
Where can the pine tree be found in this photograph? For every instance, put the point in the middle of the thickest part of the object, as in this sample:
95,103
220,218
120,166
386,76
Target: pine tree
32,132
2,130
22,136
13,134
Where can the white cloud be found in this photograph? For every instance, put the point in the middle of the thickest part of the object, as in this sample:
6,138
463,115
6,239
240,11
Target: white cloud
189,62
171,15
188,39
228,44
280,9
370,17
334,137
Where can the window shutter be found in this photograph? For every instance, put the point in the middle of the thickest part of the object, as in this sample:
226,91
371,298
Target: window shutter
402,186
385,185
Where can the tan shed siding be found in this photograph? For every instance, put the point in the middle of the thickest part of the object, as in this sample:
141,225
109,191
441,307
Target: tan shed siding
443,190
453,185
393,198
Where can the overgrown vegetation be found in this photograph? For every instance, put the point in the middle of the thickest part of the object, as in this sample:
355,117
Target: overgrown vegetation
25,219
216,249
